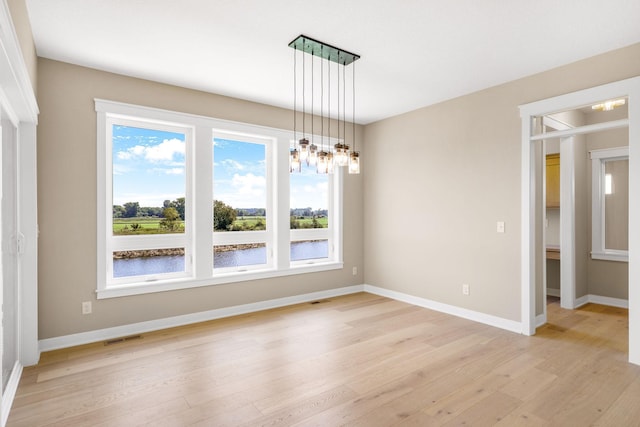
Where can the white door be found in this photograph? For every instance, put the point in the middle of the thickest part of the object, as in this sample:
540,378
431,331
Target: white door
9,259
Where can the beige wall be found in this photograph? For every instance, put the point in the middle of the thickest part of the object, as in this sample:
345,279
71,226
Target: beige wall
449,172
67,204
607,278
20,18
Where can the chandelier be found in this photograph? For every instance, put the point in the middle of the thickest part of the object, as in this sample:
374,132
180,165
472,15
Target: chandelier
320,87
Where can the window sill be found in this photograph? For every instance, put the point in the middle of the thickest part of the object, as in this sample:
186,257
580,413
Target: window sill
140,288
610,256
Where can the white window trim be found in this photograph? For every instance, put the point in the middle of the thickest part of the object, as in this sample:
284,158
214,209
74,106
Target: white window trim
143,242
202,273
598,159
261,236
333,234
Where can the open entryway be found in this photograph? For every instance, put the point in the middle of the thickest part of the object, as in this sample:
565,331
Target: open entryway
533,249
584,210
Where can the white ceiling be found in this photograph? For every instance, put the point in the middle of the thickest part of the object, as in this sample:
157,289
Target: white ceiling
414,53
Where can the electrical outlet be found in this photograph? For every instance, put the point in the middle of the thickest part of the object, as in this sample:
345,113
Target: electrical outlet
500,227
355,271
465,289
86,307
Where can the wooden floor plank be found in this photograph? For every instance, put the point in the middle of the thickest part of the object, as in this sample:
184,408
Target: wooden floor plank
625,411
528,384
408,408
487,412
360,360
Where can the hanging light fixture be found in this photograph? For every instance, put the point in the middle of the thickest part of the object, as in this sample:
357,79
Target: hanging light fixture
354,157
322,166
609,105
304,150
312,158
294,160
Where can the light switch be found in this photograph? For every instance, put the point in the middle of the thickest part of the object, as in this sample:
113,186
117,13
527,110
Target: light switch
500,227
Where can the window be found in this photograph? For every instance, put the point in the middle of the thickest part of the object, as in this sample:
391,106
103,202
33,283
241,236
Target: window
242,230
610,204
150,234
309,220
187,201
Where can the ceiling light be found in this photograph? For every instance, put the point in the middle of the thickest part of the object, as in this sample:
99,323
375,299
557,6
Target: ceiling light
609,105
316,90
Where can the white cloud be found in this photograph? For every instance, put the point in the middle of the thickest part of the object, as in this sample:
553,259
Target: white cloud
166,171
243,191
314,196
163,152
174,171
120,169
232,164
321,188
249,184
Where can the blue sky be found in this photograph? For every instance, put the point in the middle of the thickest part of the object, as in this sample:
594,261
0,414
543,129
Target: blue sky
149,167
239,173
309,189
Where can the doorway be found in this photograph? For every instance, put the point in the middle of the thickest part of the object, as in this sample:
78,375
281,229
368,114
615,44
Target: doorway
629,88
590,267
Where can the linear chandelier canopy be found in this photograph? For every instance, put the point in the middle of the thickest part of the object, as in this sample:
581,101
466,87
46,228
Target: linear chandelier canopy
321,88
323,50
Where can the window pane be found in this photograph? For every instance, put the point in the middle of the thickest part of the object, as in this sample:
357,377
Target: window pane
148,181
309,249
239,255
239,186
309,199
148,262
616,208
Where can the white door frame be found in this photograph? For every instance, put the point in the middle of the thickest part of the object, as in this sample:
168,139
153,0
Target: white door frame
629,88
567,223
19,102
18,98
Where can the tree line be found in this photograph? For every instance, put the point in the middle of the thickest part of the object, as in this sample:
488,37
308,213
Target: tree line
172,213
134,210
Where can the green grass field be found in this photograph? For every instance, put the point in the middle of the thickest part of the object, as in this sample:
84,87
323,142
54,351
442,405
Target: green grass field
248,222
147,225
307,222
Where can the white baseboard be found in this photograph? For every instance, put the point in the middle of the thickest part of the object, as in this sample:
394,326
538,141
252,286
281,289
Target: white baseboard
170,322
66,341
553,292
487,319
597,299
10,392
579,302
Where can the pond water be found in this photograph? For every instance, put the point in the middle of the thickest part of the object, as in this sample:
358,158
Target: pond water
252,256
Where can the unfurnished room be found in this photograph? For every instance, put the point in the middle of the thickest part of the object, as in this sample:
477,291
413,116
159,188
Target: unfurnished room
288,213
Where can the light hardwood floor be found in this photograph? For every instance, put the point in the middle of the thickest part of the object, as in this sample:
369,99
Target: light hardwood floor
358,360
